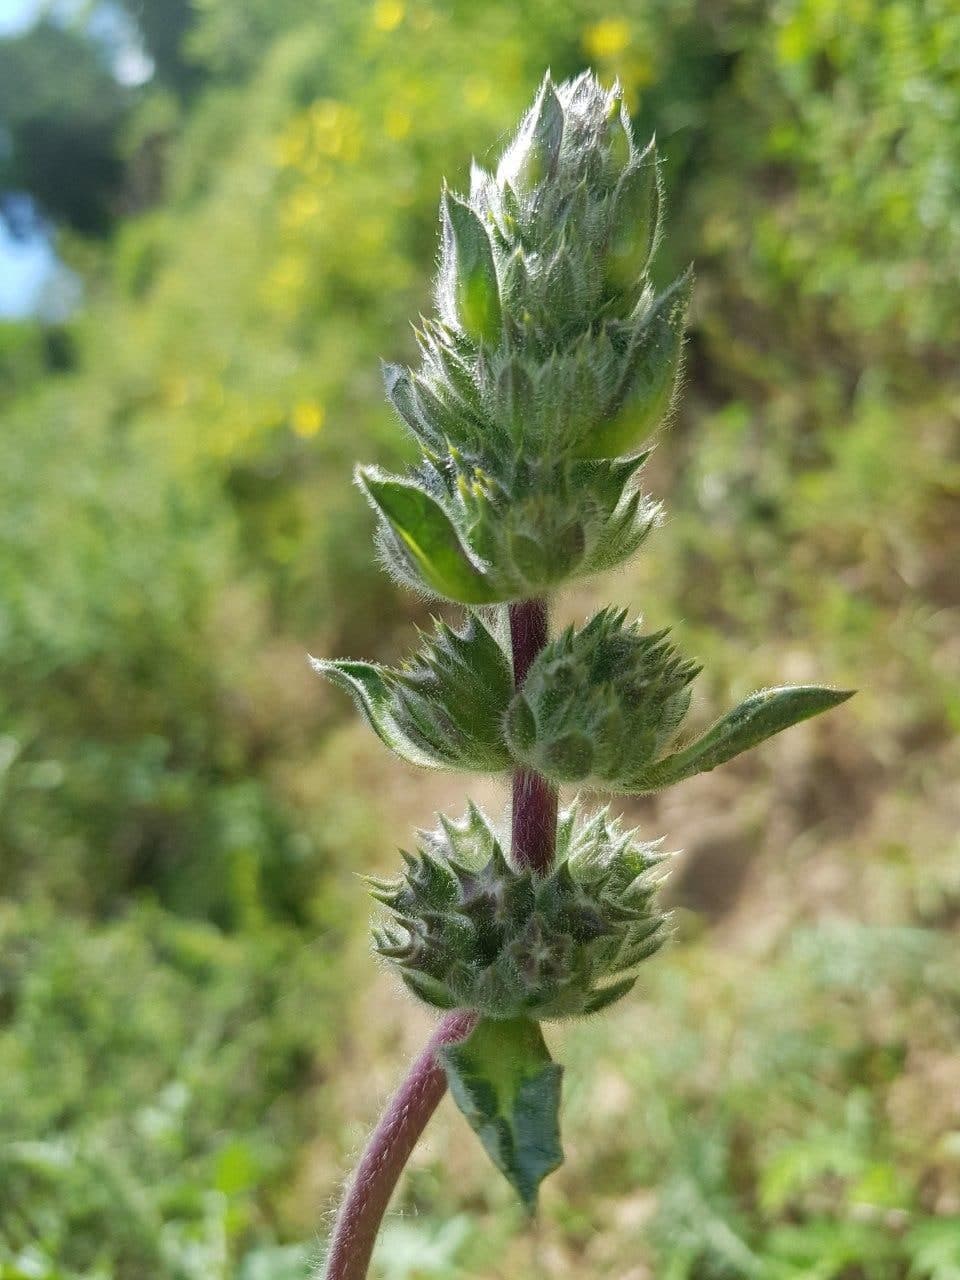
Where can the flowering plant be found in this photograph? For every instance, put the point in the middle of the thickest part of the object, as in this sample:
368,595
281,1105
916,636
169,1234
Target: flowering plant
550,360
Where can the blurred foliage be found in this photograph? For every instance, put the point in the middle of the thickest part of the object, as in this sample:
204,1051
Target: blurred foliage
180,805
156,1074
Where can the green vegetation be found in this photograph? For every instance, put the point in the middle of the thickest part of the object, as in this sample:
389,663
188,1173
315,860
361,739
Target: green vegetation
183,804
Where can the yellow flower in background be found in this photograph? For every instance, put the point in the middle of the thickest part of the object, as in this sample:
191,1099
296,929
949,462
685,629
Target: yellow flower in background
283,287
387,15
330,123
307,418
607,38
177,392
291,146
397,123
477,91
300,208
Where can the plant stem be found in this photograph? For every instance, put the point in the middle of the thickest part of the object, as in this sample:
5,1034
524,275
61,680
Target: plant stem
410,1108
388,1150
534,799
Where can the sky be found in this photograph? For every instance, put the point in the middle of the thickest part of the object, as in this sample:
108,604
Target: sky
25,265
33,282
17,15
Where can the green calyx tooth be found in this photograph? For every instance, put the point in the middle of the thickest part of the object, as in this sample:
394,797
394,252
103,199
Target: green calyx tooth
470,931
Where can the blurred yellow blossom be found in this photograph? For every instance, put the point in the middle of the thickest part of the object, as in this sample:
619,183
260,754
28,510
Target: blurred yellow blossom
301,208
291,147
282,288
335,128
476,91
396,123
387,15
178,392
607,38
307,417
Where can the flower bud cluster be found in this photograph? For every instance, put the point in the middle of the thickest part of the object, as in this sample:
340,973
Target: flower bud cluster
469,931
550,361
599,704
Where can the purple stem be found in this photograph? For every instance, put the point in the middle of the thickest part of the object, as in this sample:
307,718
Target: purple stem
534,799
389,1149
410,1108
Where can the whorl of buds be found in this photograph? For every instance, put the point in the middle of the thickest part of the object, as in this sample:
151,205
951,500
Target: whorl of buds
599,704
551,361
470,931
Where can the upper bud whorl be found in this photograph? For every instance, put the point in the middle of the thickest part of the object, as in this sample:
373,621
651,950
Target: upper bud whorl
552,359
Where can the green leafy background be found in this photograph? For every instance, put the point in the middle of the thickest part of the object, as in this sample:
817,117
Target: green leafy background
193,1038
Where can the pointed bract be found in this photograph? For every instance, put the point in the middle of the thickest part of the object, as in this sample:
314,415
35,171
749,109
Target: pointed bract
444,708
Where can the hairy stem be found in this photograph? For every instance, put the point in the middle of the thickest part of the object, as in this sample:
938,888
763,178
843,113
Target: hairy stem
398,1131
534,799
388,1150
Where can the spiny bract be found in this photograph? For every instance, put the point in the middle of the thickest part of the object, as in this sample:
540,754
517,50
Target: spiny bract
601,703
470,931
444,707
549,363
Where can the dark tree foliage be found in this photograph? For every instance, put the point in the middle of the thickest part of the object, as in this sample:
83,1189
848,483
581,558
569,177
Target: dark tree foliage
62,112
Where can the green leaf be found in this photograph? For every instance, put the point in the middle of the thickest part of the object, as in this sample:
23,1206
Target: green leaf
505,1083
758,717
425,534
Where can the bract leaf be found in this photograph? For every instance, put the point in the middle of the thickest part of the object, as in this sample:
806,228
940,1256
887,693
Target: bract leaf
505,1083
758,717
425,534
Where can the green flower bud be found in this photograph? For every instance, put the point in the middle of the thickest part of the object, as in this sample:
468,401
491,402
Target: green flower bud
598,705
532,157
619,137
635,224
468,931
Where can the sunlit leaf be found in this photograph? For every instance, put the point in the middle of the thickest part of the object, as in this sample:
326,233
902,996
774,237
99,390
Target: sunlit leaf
507,1086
